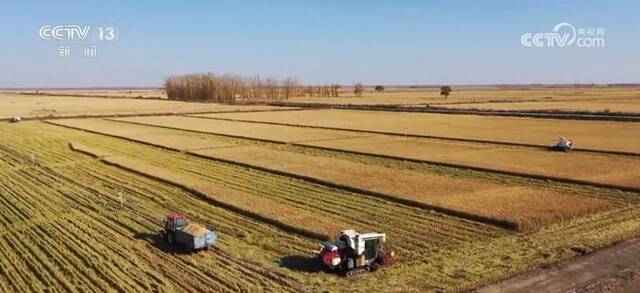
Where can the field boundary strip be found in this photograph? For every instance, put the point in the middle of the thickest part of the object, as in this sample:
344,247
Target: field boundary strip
206,198
436,163
408,202
518,144
89,116
540,114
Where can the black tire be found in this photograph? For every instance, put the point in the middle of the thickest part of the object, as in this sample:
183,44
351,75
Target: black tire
171,238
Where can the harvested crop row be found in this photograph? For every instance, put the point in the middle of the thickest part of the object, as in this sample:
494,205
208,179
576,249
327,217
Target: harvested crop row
612,170
613,105
447,265
286,200
260,207
441,235
118,182
524,206
517,205
478,95
160,137
307,197
74,236
65,106
587,134
64,236
615,170
250,130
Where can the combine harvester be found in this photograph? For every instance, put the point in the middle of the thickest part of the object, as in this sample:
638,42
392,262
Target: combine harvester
355,253
177,231
562,145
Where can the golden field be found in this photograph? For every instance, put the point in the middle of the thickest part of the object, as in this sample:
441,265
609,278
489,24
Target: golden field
595,135
611,169
89,214
30,106
598,168
526,207
623,105
252,130
520,205
576,96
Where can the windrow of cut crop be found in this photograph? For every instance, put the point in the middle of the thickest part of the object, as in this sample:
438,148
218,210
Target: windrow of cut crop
76,232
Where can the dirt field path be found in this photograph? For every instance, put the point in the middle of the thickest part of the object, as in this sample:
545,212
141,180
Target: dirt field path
613,269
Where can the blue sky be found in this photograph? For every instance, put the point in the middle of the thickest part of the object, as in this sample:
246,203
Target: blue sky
386,42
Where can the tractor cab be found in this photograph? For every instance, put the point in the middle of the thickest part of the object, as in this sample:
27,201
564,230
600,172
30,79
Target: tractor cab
175,222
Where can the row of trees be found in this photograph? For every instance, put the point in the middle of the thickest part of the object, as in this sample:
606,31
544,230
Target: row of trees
229,88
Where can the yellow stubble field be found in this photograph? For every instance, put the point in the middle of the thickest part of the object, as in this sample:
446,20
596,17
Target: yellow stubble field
596,135
28,106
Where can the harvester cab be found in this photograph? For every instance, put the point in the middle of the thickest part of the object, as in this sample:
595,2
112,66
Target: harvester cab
563,144
354,253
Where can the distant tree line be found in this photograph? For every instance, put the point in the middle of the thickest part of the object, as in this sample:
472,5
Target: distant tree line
230,88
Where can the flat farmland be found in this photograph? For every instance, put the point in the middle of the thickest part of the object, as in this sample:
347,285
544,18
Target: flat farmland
595,135
262,206
180,140
424,235
34,106
605,169
294,202
524,206
579,98
250,130
128,93
623,105
119,210
93,227
612,169
519,205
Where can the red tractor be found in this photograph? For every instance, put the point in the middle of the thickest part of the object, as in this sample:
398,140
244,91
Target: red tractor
177,231
355,253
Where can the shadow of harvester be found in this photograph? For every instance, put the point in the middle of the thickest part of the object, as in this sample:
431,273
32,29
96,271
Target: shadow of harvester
156,241
302,263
